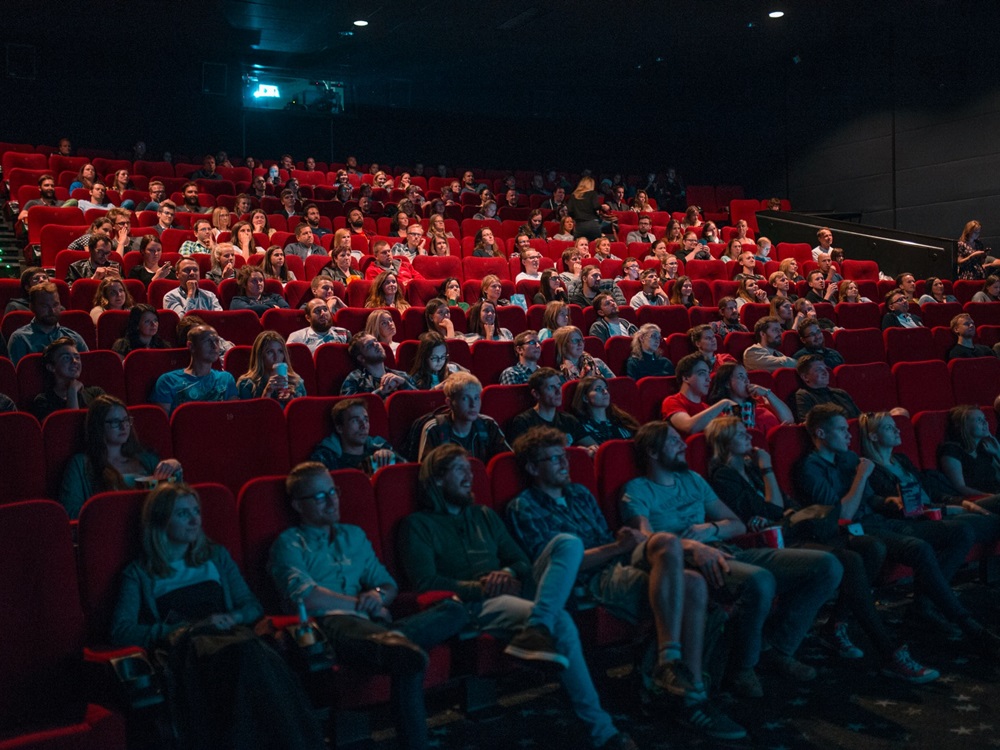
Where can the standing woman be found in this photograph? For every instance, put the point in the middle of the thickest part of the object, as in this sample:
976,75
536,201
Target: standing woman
586,209
971,263
270,374
140,331
229,689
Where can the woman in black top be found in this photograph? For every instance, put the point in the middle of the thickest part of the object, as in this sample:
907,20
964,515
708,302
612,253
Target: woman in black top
151,250
140,331
586,210
646,359
970,457
742,475
601,419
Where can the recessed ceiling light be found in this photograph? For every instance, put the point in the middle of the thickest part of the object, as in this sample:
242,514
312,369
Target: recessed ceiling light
360,23
776,14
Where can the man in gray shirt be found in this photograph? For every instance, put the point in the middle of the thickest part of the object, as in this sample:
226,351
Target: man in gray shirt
188,296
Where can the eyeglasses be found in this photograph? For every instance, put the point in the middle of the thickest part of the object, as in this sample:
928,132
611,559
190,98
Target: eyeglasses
117,424
322,498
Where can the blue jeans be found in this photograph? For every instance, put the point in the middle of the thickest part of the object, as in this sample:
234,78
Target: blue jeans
349,636
555,572
801,579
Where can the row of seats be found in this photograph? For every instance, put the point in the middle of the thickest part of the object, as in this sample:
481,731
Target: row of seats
874,387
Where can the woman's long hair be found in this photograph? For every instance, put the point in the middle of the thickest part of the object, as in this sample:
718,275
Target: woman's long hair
258,372
96,449
156,513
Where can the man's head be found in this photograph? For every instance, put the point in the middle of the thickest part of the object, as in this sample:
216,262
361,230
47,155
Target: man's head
365,350
545,385
318,315
156,191
313,495
559,195
767,332
414,234
605,306
350,422
963,326
527,347
811,335
44,302
208,164
98,192
816,281
186,270
694,374
304,234
47,186
312,215
658,446
827,426
541,454
99,246
204,344
446,473
824,261
895,301
463,394
728,310
907,283
825,238
322,287
813,371
65,147
650,281
288,198
645,224
591,277
190,193
522,243
202,231
382,253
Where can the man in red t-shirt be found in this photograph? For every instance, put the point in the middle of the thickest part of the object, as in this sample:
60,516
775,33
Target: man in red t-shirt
687,410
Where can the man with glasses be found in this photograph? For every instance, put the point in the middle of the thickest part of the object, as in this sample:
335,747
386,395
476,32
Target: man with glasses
461,423
897,312
99,265
529,351
330,570
644,233
531,260
198,381
165,217
415,244
121,238
157,192
631,575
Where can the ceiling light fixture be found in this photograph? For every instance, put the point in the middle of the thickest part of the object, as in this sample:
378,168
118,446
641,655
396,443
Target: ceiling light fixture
776,14
360,23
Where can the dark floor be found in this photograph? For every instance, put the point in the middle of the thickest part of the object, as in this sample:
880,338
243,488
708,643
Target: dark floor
850,705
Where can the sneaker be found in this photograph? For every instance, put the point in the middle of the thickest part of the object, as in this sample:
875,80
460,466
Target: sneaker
619,741
903,667
707,718
534,643
746,684
787,666
838,640
673,678
926,614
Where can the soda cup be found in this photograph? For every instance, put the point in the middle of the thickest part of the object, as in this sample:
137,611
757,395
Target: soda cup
773,537
932,514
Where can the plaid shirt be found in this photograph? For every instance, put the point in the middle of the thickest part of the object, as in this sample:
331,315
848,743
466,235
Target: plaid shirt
535,518
515,375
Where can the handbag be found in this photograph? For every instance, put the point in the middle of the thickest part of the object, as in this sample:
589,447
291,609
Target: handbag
813,523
